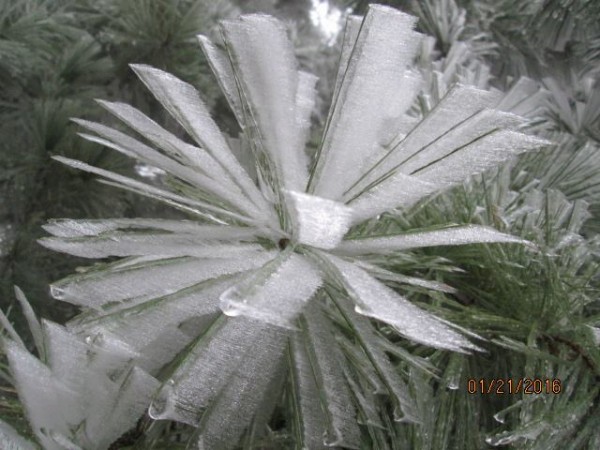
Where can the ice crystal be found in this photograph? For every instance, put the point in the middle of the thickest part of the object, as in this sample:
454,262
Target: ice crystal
264,273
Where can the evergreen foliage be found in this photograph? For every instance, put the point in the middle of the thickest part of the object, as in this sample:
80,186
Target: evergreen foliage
522,311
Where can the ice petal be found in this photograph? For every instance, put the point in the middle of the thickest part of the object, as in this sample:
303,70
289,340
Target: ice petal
269,80
326,362
151,190
222,352
374,73
374,299
397,191
222,186
275,293
457,106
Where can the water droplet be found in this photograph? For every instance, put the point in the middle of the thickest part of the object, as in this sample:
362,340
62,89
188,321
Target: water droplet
56,292
88,339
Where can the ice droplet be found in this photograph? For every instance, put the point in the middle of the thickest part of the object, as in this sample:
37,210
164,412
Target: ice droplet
497,441
158,408
56,292
453,384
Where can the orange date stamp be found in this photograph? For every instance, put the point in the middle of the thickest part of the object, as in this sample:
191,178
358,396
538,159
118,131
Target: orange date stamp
528,386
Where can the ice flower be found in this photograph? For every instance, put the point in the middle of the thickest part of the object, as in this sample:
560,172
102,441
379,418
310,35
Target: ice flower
82,392
267,287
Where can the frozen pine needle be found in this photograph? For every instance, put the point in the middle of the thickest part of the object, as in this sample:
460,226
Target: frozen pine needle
264,268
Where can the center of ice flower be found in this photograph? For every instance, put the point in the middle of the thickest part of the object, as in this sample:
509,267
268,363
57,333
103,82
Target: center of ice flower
317,221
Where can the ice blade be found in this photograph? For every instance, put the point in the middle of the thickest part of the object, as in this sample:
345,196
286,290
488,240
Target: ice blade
453,235
207,368
149,190
146,281
69,228
327,361
141,244
481,154
11,440
456,107
397,191
221,186
185,105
